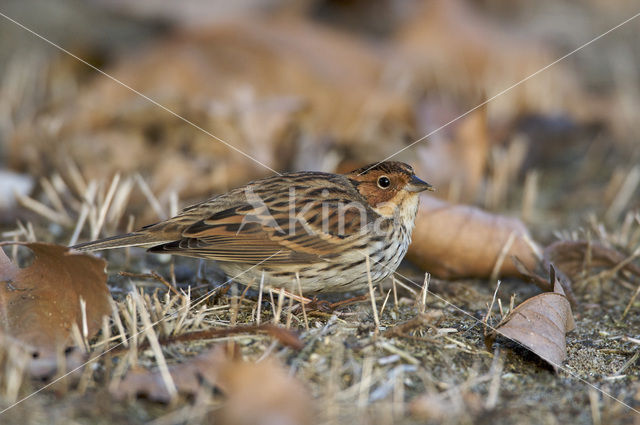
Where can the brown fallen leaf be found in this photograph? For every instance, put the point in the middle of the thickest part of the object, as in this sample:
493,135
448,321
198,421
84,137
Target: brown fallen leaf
256,393
40,303
544,284
454,241
189,377
263,393
265,86
540,324
444,407
448,46
571,258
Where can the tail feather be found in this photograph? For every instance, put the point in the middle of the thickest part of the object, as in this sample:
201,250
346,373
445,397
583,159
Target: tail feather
120,241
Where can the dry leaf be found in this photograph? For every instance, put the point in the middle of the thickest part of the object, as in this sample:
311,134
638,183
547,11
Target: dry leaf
448,47
256,393
443,407
544,283
189,377
265,86
453,241
571,257
263,393
540,324
39,303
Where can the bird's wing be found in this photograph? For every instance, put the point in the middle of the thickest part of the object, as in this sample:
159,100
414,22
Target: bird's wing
267,232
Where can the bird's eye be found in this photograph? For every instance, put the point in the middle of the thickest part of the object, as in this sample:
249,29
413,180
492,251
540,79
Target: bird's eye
384,182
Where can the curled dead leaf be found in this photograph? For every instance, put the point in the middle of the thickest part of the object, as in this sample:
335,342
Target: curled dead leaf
256,393
540,324
39,304
189,377
454,241
573,257
544,283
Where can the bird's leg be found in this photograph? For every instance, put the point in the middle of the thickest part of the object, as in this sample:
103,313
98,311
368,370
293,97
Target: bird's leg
329,307
320,305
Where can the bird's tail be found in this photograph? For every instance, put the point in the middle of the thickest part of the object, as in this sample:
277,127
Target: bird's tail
120,241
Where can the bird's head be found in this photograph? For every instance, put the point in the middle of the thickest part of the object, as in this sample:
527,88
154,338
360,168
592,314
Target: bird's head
389,186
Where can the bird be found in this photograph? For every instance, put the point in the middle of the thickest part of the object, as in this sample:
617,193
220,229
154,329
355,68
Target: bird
300,231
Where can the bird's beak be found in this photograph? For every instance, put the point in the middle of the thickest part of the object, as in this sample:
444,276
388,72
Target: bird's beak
417,185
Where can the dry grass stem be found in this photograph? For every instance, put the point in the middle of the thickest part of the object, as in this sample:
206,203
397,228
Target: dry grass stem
261,288
304,310
494,385
384,303
85,209
529,196
631,301
624,195
278,313
422,302
594,401
43,210
151,198
155,345
365,383
485,321
106,204
120,202
395,293
501,257
407,287
374,307
273,302
52,195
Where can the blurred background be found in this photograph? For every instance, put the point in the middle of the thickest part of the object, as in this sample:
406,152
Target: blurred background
320,85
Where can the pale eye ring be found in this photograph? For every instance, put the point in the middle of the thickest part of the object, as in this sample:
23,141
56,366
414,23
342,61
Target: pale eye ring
384,182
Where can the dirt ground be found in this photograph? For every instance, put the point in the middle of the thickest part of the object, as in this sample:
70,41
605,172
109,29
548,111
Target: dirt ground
437,371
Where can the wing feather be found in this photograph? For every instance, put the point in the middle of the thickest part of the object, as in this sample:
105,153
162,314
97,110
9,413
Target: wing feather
262,229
